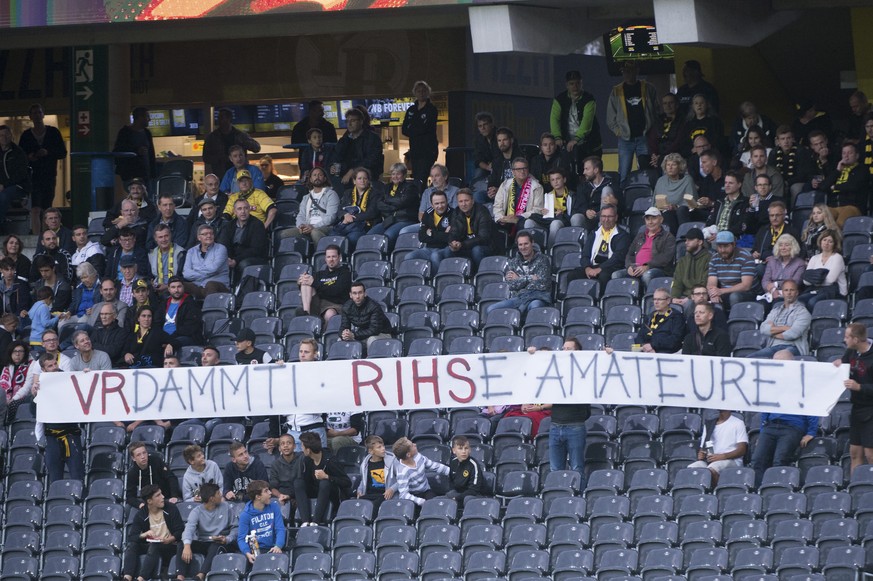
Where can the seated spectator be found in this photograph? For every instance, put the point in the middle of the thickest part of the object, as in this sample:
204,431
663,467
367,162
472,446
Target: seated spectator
780,437
859,357
824,164
8,324
108,296
759,204
167,216
13,249
556,203
314,154
55,256
210,357
182,319
825,274
466,474
730,212
261,528
172,361
604,252
150,345
14,289
410,470
167,257
209,216
144,210
434,230
144,296
819,221
259,204
87,358
360,207
439,182
15,367
846,190
209,531
378,482
149,470
240,472
363,318
319,477
246,352
200,472
748,120
110,337
529,276
283,471
85,250
665,330
765,239
63,442
758,161
207,266
551,157
245,238
272,182
212,192
319,209
494,413
723,444
154,531
344,429
127,248
239,160
501,164
591,195
325,293
755,136
471,228
652,251
128,280
675,193
704,337
86,293
784,265
48,277
786,326
40,316
700,296
485,150
396,206
518,198
792,161
691,270
710,186
358,148
732,273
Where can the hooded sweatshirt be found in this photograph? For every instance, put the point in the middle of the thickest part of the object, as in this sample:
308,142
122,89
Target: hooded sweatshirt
203,524
390,470
156,472
267,524
192,480
236,480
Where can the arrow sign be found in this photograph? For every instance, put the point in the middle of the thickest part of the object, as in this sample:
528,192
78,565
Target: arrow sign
85,93
84,130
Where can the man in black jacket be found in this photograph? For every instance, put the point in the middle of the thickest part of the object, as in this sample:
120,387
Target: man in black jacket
245,238
155,531
605,249
183,315
664,331
846,190
434,230
501,165
149,470
168,216
127,246
110,337
470,234
363,318
319,477
359,147
60,258
15,182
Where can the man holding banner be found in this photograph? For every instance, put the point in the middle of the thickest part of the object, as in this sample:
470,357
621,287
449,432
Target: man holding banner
859,356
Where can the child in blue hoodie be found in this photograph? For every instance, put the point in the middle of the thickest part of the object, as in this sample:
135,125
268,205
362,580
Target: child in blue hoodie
262,516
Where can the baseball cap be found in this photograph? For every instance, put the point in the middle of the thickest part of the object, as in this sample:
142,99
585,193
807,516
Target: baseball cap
243,173
694,234
725,237
245,335
141,283
652,211
135,181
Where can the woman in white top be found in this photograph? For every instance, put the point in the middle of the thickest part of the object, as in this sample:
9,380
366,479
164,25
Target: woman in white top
829,258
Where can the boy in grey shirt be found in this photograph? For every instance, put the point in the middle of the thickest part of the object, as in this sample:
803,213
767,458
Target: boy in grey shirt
200,471
210,528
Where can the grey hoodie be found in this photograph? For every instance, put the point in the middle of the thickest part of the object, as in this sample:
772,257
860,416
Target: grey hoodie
192,480
390,471
203,524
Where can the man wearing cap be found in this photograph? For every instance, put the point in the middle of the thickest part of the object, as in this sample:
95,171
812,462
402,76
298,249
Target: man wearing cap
239,161
652,251
731,211
167,216
630,113
127,247
246,352
129,276
144,296
245,238
731,278
138,193
209,216
261,206
692,73
605,249
167,258
692,269
216,148
573,120
183,318
206,267
110,337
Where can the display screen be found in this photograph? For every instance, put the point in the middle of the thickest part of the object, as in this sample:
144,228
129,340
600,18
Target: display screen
637,43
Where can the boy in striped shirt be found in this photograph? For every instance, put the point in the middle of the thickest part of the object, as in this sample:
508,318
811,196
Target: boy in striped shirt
411,472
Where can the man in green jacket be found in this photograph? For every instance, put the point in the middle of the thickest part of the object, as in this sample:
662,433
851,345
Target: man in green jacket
691,270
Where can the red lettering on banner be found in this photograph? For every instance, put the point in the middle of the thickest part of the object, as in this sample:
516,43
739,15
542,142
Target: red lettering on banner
465,379
398,367
358,383
86,403
432,379
107,389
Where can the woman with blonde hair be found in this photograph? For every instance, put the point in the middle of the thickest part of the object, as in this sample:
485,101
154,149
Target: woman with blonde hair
674,191
820,220
272,182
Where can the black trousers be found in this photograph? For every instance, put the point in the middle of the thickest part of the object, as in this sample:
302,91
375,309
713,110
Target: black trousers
209,550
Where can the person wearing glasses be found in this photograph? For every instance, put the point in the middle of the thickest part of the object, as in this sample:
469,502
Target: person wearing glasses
664,330
518,198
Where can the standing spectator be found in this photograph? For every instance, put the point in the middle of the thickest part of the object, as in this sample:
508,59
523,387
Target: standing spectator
137,139
283,471
604,251
319,209
573,120
786,326
732,272
704,337
412,481
568,433
216,148
319,477
419,125
49,341
664,332
154,530
529,276
314,120
808,119
241,472
362,318
859,357
692,269
466,474
359,147
209,530
200,472
378,481
723,444
262,519
630,113
15,181
272,182
63,442
44,147
485,150
703,120
692,74
149,469
651,252
860,106
825,274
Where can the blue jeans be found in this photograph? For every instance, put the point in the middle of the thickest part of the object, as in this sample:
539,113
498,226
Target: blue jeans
627,149
479,185
391,232
769,352
645,278
322,434
776,446
564,441
475,254
351,231
8,195
431,254
523,303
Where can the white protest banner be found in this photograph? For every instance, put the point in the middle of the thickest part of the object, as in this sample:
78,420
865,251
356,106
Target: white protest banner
791,387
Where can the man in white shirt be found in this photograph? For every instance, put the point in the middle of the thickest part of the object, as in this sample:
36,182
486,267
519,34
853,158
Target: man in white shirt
723,444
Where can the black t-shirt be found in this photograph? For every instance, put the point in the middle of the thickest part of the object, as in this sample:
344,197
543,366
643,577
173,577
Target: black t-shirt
255,357
376,477
636,114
